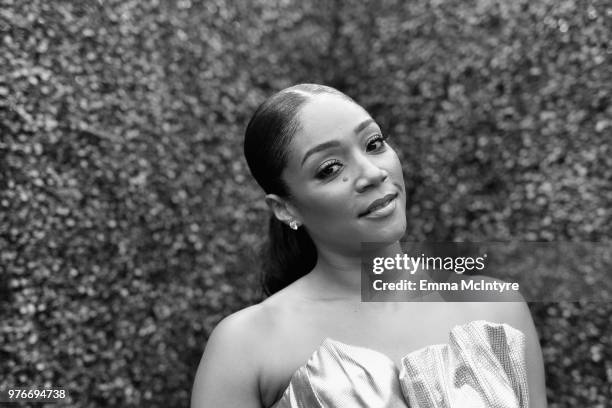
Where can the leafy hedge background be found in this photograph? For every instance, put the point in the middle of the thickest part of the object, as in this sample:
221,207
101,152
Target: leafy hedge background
128,218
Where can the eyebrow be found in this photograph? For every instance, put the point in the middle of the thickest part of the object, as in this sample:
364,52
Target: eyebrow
335,143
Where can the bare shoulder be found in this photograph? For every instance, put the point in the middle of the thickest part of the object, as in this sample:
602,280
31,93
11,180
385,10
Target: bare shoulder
228,373
249,323
253,326
240,353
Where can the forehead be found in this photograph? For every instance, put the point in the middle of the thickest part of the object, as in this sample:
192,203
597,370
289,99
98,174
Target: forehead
326,117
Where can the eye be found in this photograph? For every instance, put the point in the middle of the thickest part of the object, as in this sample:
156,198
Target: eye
328,169
376,143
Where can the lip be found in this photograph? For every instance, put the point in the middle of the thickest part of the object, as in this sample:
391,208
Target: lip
377,205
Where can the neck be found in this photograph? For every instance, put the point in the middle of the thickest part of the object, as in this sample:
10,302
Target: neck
338,275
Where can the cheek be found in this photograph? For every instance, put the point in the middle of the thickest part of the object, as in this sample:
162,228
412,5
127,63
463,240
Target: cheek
395,169
397,166
329,204
336,199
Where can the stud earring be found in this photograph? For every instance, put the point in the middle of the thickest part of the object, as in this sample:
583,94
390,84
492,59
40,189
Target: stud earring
294,225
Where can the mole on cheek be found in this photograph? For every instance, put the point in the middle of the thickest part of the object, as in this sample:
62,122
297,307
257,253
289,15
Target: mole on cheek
345,179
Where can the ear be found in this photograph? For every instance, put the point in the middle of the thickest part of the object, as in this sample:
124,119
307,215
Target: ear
282,209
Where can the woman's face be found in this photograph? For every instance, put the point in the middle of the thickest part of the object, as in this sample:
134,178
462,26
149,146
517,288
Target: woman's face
339,166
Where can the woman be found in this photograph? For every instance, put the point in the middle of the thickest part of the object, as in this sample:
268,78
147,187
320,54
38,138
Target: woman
332,182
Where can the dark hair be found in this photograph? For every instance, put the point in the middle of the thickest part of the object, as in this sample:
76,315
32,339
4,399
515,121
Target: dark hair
287,255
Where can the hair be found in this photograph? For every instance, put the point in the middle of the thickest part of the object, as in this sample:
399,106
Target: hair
287,255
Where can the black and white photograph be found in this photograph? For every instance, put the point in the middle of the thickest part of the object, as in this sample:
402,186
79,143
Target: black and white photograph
306,204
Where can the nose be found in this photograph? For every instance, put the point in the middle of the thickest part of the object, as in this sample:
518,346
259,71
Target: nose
370,174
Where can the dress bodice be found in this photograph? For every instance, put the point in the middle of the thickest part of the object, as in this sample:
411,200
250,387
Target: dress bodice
482,365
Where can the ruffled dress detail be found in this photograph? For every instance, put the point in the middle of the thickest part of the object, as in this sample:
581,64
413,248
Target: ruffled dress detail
482,366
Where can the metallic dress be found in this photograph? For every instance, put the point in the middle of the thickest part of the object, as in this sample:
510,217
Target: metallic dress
483,365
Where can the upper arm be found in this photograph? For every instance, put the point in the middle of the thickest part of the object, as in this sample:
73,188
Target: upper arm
228,372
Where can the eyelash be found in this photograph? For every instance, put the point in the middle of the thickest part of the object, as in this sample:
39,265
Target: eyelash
378,138
330,163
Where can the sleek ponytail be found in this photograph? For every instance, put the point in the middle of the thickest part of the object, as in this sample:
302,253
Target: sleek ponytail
287,255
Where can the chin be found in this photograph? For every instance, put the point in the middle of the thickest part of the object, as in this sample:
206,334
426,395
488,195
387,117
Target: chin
389,233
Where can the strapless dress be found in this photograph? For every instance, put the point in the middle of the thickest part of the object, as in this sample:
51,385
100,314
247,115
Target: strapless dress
482,366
